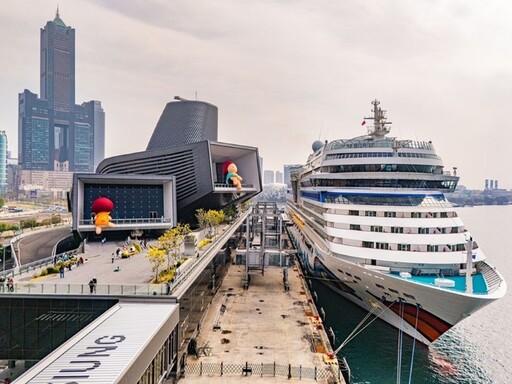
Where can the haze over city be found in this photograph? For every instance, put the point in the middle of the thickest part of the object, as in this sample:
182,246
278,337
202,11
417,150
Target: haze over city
284,74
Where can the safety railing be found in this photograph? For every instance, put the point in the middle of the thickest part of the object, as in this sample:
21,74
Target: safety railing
86,289
263,369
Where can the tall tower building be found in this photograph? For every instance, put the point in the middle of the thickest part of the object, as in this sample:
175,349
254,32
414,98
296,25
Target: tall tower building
268,177
3,163
55,134
279,177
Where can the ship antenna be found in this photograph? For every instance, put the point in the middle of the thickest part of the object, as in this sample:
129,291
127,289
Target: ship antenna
379,128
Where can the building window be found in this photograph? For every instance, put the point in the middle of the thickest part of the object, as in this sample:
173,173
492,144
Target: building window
368,244
397,230
455,230
389,214
355,227
416,215
376,228
404,247
382,245
444,214
423,231
432,248
370,213
353,213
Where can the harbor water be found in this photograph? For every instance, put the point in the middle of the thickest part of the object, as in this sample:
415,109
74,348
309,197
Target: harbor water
476,351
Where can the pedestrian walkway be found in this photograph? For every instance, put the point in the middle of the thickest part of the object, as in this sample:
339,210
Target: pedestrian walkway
134,272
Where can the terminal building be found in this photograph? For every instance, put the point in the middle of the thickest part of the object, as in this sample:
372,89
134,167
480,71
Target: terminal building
183,146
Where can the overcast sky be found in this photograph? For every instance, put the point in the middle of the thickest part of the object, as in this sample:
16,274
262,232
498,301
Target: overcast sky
285,73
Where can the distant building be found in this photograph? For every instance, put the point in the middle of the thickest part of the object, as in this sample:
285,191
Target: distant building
184,122
36,184
279,177
268,177
3,163
287,169
55,134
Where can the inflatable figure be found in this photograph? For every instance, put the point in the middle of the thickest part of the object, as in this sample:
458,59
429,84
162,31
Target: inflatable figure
232,176
102,207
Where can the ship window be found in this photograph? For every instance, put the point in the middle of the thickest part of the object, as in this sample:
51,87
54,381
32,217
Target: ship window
370,213
380,286
455,230
353,213
409,296
339,270
355,227
393,290
357,277
382,245
376,228
432,248
348,274
416,215
397,230
389,214
368,244
423,231
404,247
443,214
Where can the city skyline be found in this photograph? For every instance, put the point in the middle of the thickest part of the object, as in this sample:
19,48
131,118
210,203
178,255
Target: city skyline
285,74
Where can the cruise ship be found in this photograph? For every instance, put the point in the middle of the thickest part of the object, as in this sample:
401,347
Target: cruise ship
370,218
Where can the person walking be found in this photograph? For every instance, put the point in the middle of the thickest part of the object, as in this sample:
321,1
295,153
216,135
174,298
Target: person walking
95,283
61,271
10,284
91,286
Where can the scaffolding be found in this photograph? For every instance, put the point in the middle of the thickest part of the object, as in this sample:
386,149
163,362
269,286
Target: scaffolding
264,241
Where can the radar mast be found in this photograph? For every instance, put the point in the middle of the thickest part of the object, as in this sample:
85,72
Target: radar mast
379,129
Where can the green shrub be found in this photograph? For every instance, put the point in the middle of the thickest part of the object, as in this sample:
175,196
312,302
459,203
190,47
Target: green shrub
51,270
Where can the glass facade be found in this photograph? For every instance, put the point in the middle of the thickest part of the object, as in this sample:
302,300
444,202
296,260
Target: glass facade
30,328
130,201
3,162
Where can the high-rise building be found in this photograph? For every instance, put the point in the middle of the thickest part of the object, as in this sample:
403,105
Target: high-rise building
268,177
287,170
3,163
55,134
279,177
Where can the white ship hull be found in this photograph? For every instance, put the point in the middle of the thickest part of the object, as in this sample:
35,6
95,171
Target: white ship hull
437,309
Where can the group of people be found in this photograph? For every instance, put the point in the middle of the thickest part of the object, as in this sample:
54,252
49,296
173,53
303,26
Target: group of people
10,284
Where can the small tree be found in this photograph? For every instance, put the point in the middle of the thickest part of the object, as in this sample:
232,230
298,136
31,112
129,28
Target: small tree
172,240
215,218
156,258
202,220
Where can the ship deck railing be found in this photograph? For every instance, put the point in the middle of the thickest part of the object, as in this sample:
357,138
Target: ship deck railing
492,278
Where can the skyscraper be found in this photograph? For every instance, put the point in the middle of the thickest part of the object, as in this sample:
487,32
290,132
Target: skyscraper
55,134
268,177
3,163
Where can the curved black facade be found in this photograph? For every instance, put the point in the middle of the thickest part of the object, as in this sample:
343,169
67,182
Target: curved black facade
185,122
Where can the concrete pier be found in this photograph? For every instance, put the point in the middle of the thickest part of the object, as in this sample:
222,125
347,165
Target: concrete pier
264,332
